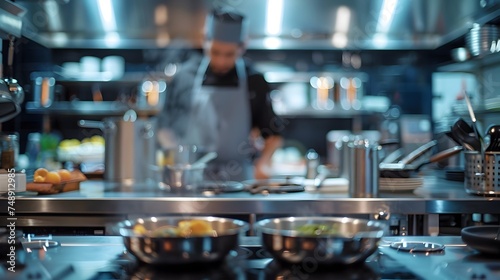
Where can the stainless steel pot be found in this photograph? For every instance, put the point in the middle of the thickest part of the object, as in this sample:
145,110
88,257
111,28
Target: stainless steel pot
181,250
129,147
353,242
182,177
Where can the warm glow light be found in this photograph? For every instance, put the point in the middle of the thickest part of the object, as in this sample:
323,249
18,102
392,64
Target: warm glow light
161,15
274,16
162,39
107,15
386,15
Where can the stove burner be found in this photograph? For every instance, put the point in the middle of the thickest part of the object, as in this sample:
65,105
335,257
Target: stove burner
253,262
277,270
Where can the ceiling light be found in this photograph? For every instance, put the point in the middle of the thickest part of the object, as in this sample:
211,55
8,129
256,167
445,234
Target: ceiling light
343,19
386,15
274,16
107,15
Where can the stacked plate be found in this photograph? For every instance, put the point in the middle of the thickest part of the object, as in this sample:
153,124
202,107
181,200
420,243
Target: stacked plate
400,184
479,39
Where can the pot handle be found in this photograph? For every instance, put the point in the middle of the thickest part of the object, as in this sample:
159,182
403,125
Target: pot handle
91,124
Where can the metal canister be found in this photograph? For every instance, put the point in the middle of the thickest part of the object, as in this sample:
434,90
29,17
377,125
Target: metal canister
364,173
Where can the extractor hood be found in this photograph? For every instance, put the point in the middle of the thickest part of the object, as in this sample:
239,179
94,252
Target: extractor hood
274,24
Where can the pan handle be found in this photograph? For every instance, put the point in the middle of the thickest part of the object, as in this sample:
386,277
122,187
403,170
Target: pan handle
442,155
411,157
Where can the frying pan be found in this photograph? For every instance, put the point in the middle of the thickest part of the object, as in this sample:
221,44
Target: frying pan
398,170
286,185
411,157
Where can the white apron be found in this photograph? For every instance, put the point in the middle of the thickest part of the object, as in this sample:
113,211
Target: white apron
220,121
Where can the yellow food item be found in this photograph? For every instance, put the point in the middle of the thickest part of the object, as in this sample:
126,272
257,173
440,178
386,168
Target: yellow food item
139,229
39,179
195,228
53,177
64,174
97,139
42,172
69,143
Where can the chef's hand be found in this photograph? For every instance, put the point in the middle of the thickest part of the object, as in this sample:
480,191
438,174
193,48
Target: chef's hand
261,170
262,165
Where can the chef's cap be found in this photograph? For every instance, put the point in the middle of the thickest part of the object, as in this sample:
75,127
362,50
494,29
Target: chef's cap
226,26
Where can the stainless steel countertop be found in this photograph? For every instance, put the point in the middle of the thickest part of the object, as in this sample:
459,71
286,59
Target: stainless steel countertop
436,196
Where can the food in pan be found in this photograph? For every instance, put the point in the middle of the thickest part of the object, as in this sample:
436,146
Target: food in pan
318,229
185,228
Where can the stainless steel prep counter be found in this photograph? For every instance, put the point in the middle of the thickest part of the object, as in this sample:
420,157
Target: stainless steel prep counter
436,196
98,202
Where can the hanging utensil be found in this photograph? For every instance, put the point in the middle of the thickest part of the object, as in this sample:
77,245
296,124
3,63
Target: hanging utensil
494,135
465,134
474,120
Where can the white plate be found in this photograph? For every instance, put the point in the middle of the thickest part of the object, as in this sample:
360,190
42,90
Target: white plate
399,184
329,185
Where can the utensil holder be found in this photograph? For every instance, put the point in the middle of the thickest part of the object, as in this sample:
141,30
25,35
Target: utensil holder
482,173
492,171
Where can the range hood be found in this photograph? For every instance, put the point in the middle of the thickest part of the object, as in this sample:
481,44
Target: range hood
274,24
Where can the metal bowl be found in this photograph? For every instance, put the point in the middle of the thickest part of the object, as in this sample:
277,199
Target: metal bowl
353,242
181,250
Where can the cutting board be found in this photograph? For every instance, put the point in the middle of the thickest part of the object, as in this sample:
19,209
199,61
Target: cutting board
48,188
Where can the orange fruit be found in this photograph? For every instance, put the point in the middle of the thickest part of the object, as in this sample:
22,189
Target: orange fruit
42,172
39,179
64,174
53,177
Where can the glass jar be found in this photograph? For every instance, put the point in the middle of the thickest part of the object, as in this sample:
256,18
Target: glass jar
10,150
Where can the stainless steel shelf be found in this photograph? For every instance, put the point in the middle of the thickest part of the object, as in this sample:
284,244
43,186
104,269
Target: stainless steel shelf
471,65
334,113
99,77
76,108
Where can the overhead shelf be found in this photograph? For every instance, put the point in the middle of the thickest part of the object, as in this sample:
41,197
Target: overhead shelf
77,108
130,77
472,65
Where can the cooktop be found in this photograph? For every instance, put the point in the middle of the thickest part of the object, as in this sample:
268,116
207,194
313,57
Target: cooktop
95,258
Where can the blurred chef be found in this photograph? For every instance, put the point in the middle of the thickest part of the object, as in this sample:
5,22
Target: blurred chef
220,103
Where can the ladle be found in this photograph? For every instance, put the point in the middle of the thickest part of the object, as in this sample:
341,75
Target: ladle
494,135
465,134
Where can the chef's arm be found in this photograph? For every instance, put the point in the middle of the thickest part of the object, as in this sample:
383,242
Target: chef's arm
262,165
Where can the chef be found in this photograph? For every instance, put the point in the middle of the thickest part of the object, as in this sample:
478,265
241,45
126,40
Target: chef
218,102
